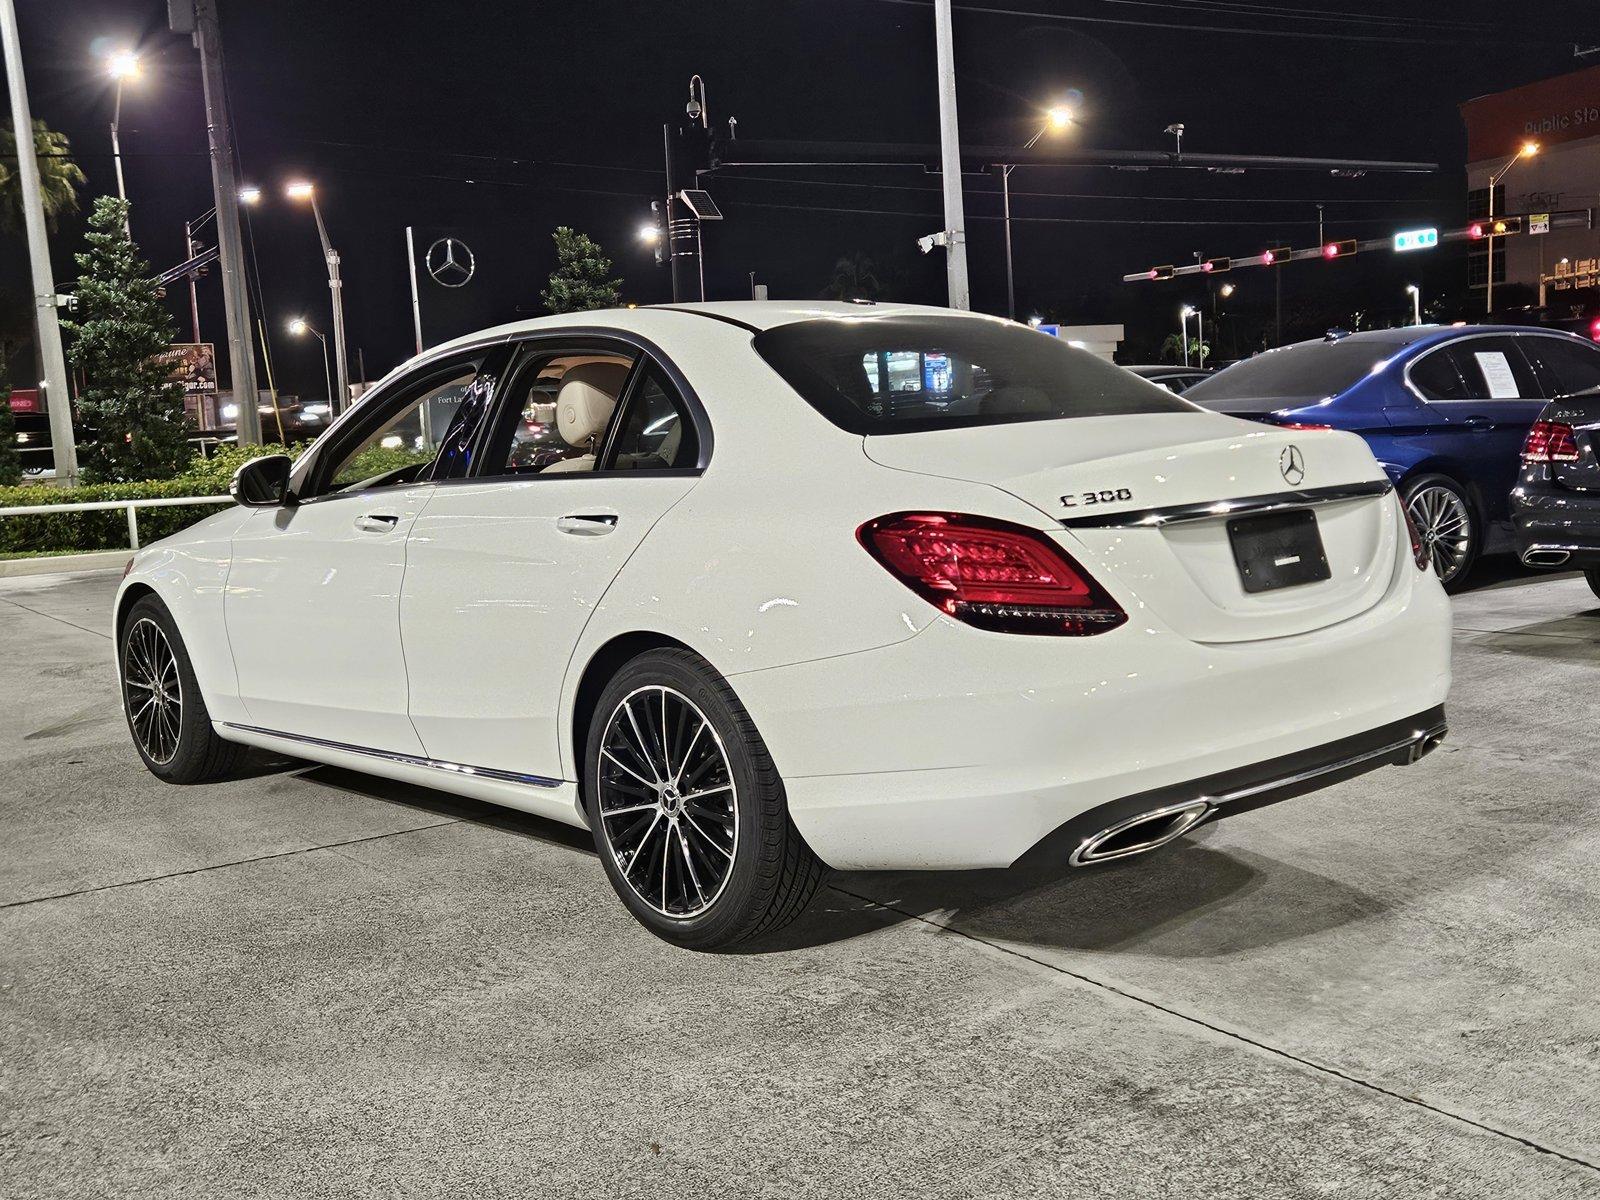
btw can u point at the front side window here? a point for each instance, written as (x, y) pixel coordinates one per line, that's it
(425, 432)
(902, 374)
(657, 433)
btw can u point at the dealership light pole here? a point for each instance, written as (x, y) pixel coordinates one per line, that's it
(301, 190)
(1056, 119)
(57, 397)
(955, 251)
(1526, 150)
(1415, 293)
(123, 66)
(1184, 314)
(300, 327)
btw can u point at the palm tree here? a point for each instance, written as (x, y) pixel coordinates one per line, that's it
(59, 177)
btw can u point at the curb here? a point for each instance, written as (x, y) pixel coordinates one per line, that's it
(62, 564)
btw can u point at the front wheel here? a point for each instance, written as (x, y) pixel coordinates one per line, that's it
(688, 813)
(160, 697)
(1443, 516)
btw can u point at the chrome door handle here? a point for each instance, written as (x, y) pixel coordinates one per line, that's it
(376, 522)
(1479, 424)
(587, 524)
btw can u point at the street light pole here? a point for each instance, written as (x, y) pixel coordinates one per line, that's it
(1416, 303)
(1529, 149)
(955, 252)
(123, 65)
(301, 326)
(57, 398)
(1058, 117)
(305, 191)
(1184, 314)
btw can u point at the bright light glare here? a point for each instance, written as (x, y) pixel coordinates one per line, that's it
(1186, 312)
(1226, 290)
(299, 190)
(1530, 148)
(249, 195)
(393, 442)
(123, 64)
(298, 327)
(1059, 116)
(649, 233)
(1411, 289)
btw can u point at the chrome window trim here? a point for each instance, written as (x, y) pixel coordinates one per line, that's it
(410, 760)
(1155, 518)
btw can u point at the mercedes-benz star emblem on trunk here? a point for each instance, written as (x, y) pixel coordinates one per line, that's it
(1292, 465)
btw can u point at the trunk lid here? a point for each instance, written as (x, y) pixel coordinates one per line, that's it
(1085, 473)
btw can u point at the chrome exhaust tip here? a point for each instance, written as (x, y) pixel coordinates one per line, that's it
(1545, 558)
(1427, 744)
(1141, 834)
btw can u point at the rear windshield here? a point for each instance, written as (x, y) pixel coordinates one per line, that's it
(1292, 376)
(905, 374)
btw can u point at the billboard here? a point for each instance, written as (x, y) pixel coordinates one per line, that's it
(194, 365)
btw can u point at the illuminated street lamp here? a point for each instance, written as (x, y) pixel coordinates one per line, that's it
(122, 66)
(249, 196)
(1057, 119)
(650, 234)
(1526, 150)
(1415, 293)
(1184, 314)
(299, 326)
(302, 190)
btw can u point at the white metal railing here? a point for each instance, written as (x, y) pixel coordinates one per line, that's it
(132, 506)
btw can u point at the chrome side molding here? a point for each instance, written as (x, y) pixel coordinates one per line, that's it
(410, 760)
(1154, 518)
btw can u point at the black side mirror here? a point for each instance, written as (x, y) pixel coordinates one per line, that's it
(262, 482)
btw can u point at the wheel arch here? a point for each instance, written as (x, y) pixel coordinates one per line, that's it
(131, 595)
(609, 658)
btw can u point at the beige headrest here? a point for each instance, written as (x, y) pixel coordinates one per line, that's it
(588, 393)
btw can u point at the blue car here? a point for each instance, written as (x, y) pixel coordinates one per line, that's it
(1444, 409)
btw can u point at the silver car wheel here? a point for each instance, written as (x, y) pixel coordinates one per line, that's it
(667, 801)
(1445, 526)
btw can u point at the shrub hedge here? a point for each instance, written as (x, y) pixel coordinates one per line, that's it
(108, 529)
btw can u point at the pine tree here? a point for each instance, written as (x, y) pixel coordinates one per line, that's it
(580, 282)
(10, 459)
(139, 430)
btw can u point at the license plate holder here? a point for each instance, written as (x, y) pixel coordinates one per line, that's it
(1278, 550)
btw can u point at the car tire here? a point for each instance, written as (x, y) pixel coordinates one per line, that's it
(1439, 505)
(692, 826)
(161, 701)
(1593, 576)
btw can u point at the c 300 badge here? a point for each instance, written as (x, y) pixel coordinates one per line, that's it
(1103, 496)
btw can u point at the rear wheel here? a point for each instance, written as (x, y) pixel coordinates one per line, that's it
(689, 815)
(166, 715)
(1444, 519)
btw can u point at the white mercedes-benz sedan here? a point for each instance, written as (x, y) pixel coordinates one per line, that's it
(754, 589)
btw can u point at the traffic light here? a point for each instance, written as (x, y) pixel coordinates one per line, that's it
(1161, 272)
(1342, 249)
(1506, 225)
(1475, 230)
(1277, 255)
(1215, 266)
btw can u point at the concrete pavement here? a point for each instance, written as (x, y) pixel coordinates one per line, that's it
(309, 983)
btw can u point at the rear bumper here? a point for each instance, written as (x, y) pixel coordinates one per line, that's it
(1556, 528)
(960, 749)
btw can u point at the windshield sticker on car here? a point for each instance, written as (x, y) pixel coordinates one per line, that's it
(1497, 374)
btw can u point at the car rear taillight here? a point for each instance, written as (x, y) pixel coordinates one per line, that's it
(1549, 441)
(1419, 552)
(991, 574)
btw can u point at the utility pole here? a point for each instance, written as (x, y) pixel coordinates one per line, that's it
(955, 252)
(48, 322)
(225, 184)
(416, 300)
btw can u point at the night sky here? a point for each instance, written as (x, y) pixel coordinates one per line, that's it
(497, 122)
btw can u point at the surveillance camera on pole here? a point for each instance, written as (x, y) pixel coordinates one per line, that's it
(927, 244)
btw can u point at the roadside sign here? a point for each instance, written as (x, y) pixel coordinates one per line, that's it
(1416, 239)
(1538, 222)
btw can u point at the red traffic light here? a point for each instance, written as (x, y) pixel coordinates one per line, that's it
(1475, 230)
(1278, 254)
(1339, 249)
(1161, 272)
(1594, 330)
(1215, 266)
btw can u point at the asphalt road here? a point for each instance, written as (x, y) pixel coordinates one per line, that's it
(309, 983)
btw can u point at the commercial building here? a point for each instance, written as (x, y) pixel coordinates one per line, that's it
(1555, 189)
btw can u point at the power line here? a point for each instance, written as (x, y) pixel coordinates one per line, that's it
(927, 216)
(1325, 16)
(1242, 31)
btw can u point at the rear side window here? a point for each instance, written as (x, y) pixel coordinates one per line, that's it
(904, 374)
(1293, 376)
(656, 433)
(1566, 367)
(1494, 369)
